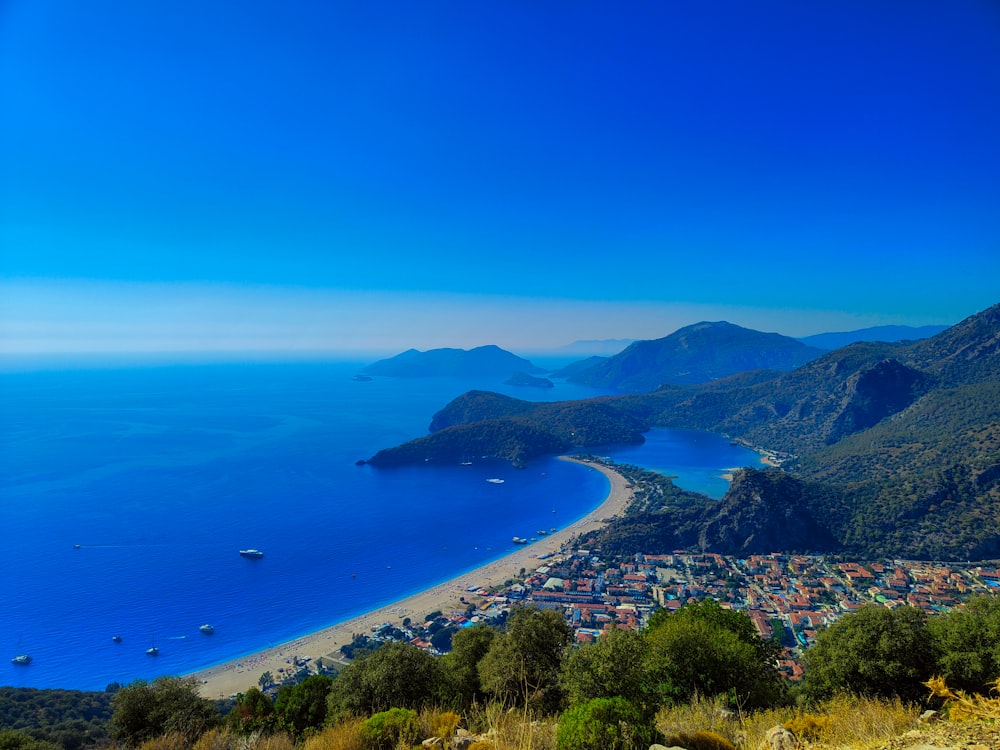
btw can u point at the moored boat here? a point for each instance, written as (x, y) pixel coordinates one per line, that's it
(22, 659)
(253, 553)
(207, 629)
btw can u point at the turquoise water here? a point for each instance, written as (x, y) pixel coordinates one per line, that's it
(161, 474)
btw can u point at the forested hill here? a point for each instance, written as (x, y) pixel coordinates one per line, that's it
(899, 444)
(483, 361)
(695, 354)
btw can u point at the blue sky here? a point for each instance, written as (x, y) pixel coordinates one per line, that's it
(373, 176)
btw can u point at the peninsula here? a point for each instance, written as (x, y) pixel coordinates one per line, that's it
(238, 675)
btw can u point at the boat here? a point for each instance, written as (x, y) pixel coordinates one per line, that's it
(254, 553)
(495, 481)
(22, 659)
(116, 638)
(541, 532)
(152, 651)
(207, 629)
(519, 540)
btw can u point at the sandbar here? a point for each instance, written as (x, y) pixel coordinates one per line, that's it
(238, 675)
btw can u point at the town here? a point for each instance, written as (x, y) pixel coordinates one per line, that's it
(788, 597)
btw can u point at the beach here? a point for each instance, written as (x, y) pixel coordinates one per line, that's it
(454, 595)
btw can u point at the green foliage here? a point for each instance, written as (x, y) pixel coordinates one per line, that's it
(395, 675)
(522, 665)
(303, 706)
(460, 667)
(11, 740)
(874, 652)
(967, 643)
(389, 729)
(144, 711)
(253, 712)
(614, 665)
(604, 724)
(703, 649)
(72, 719)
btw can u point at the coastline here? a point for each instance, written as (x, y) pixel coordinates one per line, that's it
(239, 674)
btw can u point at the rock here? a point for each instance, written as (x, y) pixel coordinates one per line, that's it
(779, 738)
(431, 742)
(929, 716)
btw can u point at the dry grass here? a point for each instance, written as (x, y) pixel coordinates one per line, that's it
(345, 735)
(961, 705)
(512, 729)
(841, 722)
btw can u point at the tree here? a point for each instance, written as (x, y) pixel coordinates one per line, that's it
(303, 706)
(145, 710)
(703, 649)
(460, 666)
(873, 652)
(397, 675)
(266, 680)
(615, 665)
(253, 712)
(967, 644)
(522, 665)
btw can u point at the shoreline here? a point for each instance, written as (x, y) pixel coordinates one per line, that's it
(237, 675)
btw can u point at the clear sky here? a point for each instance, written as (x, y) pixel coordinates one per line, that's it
(196, 174)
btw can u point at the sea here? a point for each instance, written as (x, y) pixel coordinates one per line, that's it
(127, 492)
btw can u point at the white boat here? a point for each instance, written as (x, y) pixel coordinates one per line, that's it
(254, 553)
(207, 629)
(152, 651)
(495, 481)
(22, 659)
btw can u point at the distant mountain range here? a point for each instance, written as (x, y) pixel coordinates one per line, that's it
(481, 362)
(889, 449)
(878, 333)
(695, 354)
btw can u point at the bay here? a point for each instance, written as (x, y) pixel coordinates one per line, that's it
(126, 493)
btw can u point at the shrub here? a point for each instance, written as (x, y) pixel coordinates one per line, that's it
(434, 723)
(604, 724)
(808, 726)
(171, 741)
(216, 739)
(279, 741)
(481, 745)
(347, 735)
(700, 740)
(387, 729)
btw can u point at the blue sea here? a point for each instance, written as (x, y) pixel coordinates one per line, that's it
(126, 494)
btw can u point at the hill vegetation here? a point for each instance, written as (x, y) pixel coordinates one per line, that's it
(695, 354)
(481, 362)
(889, 449)
(699, 677)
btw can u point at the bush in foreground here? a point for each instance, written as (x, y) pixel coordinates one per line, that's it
(604, 724)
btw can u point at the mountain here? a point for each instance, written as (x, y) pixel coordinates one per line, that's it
(892, 449)
(592, 348)
(878, 333)
(574, 368)
(696, 354)
(483, 361)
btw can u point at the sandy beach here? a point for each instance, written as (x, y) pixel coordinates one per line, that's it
(240, 674)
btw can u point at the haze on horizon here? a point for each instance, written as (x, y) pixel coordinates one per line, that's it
(217, 177)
